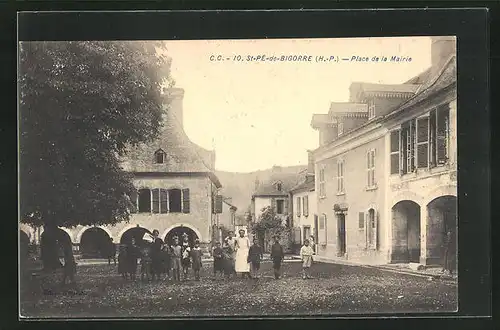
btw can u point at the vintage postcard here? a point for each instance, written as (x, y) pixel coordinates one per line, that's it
(230, 178)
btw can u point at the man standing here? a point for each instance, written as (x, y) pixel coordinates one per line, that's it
(277, 255)
(156, 255)
(448, 252)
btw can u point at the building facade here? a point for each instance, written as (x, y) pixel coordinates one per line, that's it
(304, 207)
(386, 168)
(176, 189)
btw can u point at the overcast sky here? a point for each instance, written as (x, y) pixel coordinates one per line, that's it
(258, 114)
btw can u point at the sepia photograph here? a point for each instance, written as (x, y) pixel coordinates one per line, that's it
(237, 177)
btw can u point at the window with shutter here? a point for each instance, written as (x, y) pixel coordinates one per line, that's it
(156, 200)
(280, 203)
(305, 203)
(442, 134)
(370, 157)
(361, 220)
(285, 211)
(144, 200)
(163, 201)
(422, 142)
(322, 191)
(186, 207)
(273, 205)
(174, 201)
(340, 176)
(395, 138)
(299, 212)
(218, 204)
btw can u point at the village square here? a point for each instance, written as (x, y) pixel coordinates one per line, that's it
(368, 224)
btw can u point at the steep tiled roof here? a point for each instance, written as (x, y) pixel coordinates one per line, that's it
(307, 184)
(394, 88)
(269, 188)
(444, 78)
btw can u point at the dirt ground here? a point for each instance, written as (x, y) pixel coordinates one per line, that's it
(334, 289)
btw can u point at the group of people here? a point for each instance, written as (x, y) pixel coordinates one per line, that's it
(157, 259)
(234, 256)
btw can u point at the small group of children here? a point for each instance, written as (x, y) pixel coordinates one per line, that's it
(183, 256)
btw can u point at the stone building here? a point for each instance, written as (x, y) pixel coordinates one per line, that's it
(386, 167)
(176, 188)
(303, 207)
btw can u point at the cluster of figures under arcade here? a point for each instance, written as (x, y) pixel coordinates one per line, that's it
(236, 255)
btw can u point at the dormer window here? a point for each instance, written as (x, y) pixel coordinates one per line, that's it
(371, 109)
(159, 156)
(279, 186)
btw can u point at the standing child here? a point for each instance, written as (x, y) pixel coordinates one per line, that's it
(166, 260)
(176, 259)
(217, 253)
(306, 254)
(254, 258)
(146, 263)
(186, 257)
(277, 255)
(196, 258)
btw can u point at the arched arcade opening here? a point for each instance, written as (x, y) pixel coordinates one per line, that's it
(442, 216)
(179, 232)
(137, 233)
(95, 243)
(405, 232)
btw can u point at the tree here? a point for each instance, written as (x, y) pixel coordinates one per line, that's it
(268, 225)
(82, 104)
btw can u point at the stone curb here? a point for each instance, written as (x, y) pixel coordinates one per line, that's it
(388, 269)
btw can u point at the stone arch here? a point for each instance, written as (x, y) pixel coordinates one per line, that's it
(407, 196)
(125, 229)
(25, 231)
(179, 224)
(448, 190)
(406, 231)
(69, 232)
(80, 233)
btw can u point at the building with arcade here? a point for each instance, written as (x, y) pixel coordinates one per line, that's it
(176, 190)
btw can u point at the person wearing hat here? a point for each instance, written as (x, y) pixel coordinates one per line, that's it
(242, 248)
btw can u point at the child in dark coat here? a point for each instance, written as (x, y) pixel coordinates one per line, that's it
(218, 255)
(227, 252)
(122, 262)
(196, 254)
(277, 255)
(254, 257)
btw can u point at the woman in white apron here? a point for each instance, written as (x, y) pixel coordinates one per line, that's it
(242, 247)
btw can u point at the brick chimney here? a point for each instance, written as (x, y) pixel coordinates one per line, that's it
(310, 163)
(441, 50)
(175, 97)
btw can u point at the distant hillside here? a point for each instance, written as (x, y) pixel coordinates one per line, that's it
(240, 186)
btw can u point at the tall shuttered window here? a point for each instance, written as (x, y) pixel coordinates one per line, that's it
(305, 205)
(442, 134)
(175, 200)
(370, 160)
(395, 151)
(321, 183)
(299, 212)
(144, 200)
(408, 137)
(340, 176)
(423, 142)
(186, 206)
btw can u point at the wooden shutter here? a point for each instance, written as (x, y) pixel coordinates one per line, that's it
(442, 128)
(395, 149)
(156, 200)
(423, 142)
(375, 232)
(306, 205)
(163, 201)
(273, 205)
(298, 206)
(218, 204)
(361, 220)
(285, 206)
(186, 207)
